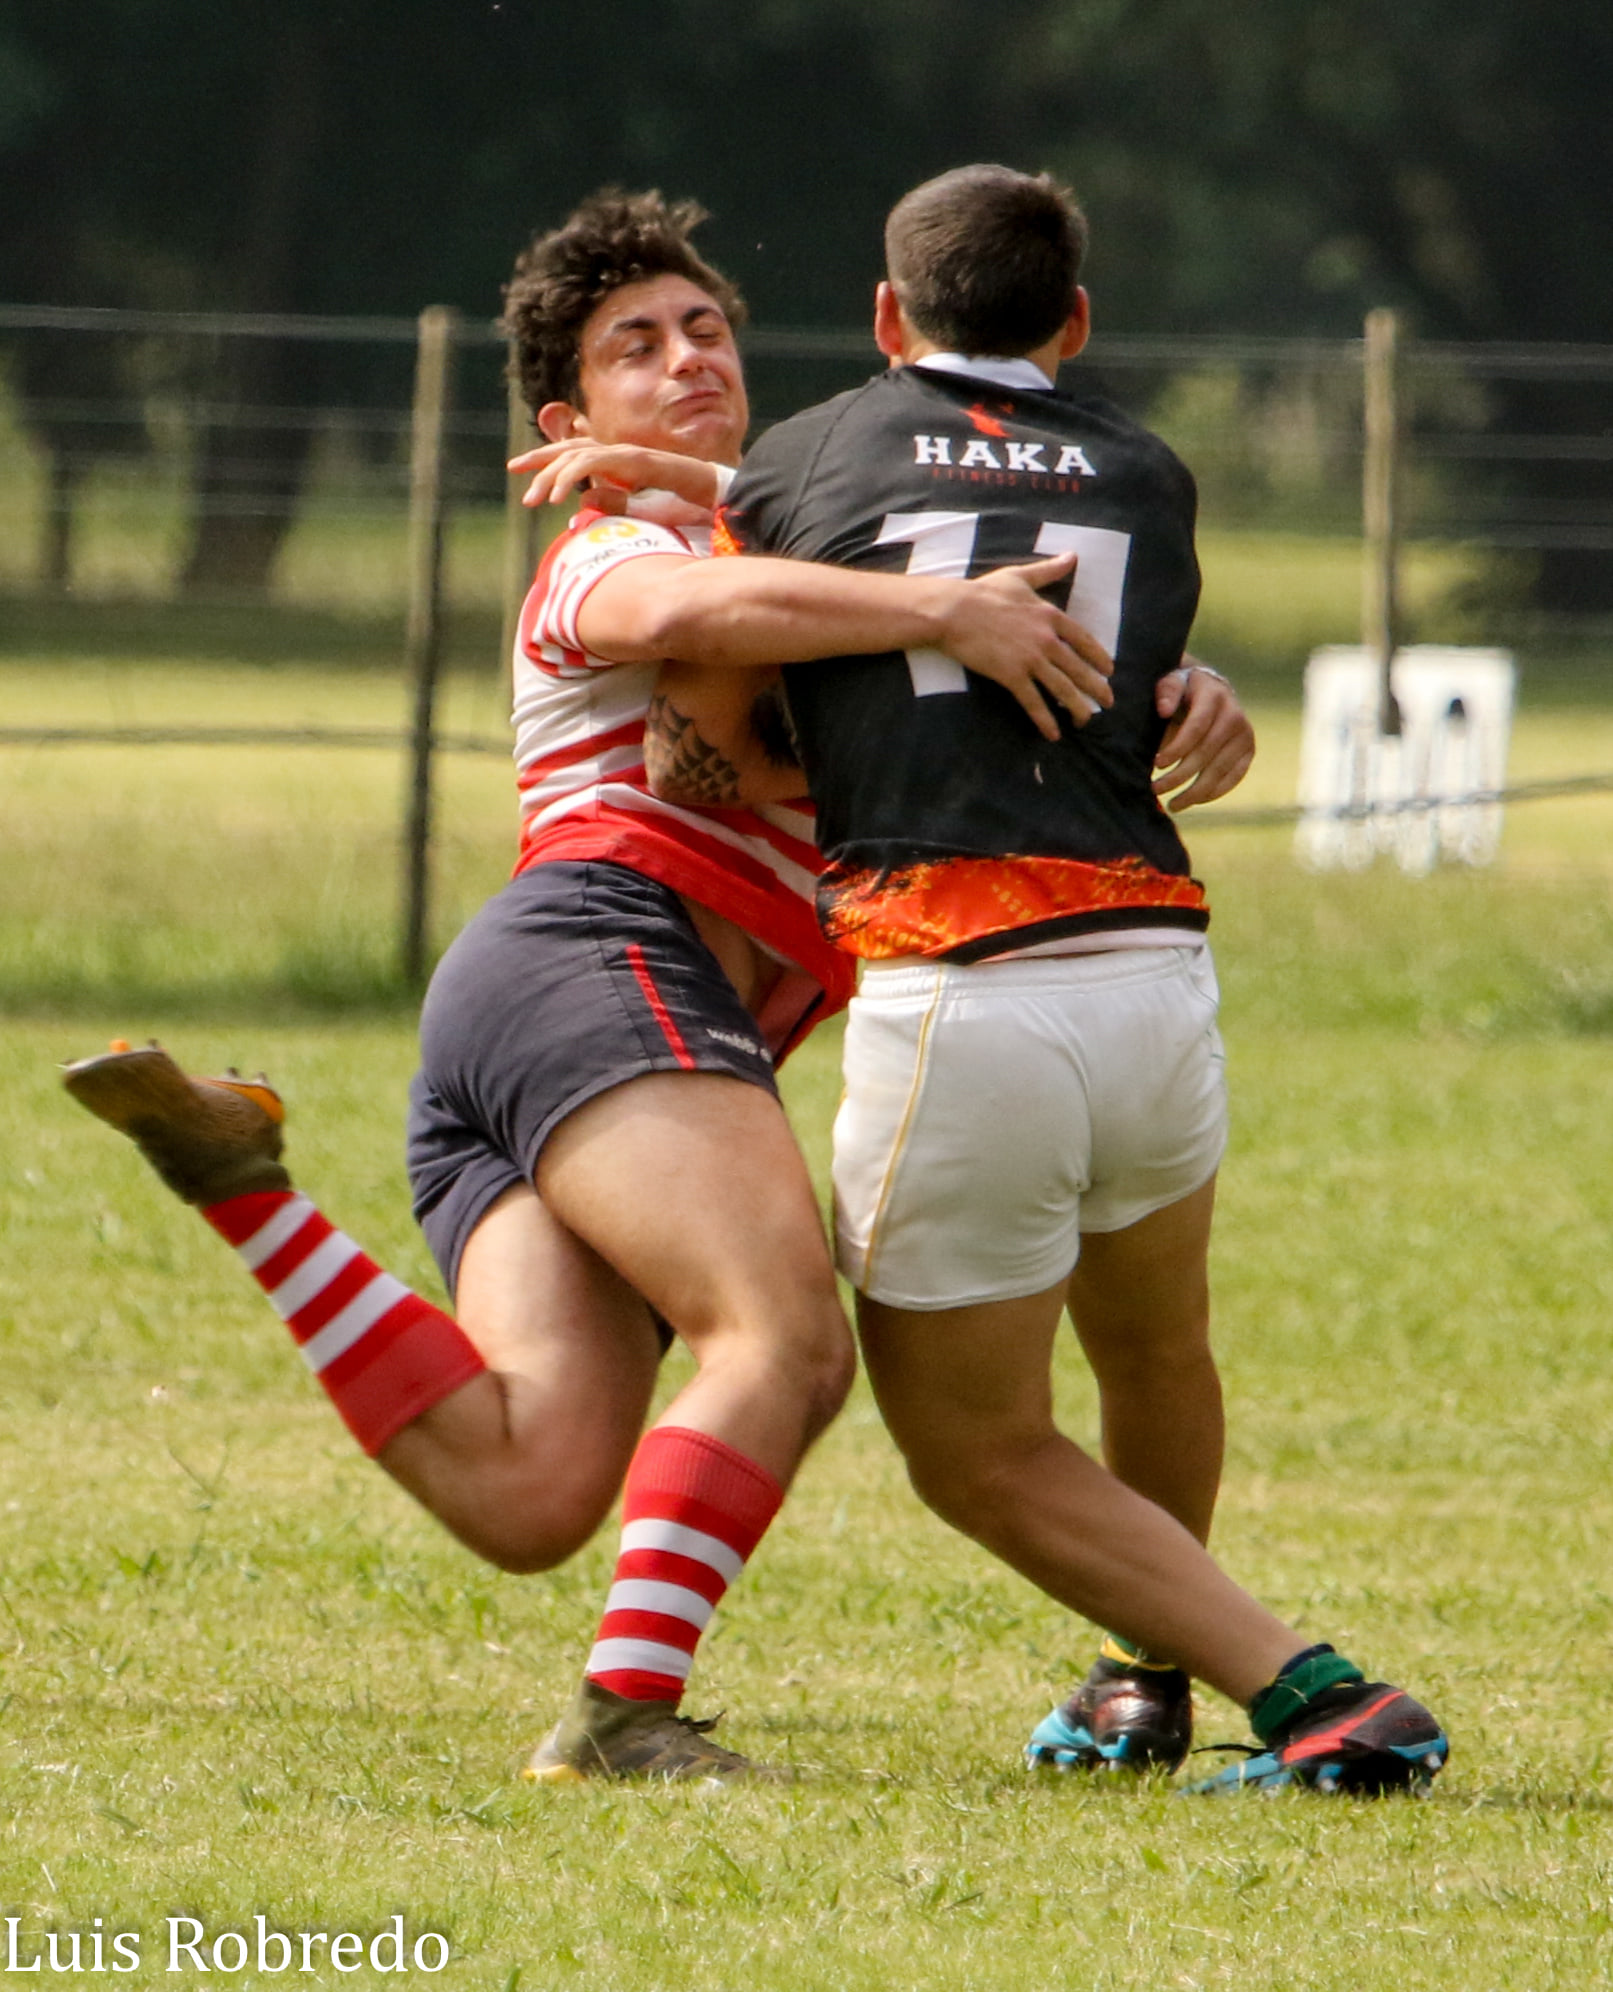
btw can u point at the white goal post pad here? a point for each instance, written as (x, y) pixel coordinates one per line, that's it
(1429, 793)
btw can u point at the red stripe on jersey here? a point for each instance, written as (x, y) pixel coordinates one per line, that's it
(628, 735)
(658, 1009)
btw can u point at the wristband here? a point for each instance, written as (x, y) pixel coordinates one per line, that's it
(725, 480)
(1220, 677)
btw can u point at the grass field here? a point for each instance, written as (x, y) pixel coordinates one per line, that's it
(244, 1676)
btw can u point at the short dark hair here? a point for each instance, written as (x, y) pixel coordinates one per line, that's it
(613, 238)
(986, 260)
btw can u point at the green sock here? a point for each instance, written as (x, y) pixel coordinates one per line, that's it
(1299, 1681)
(1125, 1654)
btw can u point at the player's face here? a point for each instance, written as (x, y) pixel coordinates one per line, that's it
(660, 368)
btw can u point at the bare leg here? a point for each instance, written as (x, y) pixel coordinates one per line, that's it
(1140, 1301)
(524, 1462)
(966, 1393)
(692, 1187)
(687, 1188)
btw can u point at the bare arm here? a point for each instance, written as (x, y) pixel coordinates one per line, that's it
(1209, 744)
(740, 614)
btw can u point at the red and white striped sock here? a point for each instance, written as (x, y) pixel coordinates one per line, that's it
(384, 1354)
(693, 1510)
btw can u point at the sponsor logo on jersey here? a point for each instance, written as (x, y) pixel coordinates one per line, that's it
(612, 529)
(975, 457)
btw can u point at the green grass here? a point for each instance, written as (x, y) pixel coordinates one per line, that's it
(246, 1676)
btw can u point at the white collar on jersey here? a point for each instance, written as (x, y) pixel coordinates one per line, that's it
(1023, 374)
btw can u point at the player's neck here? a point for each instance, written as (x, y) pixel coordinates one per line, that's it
(1045, 358)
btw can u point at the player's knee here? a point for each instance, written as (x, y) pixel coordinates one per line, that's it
(534, 1525)
(967, 1483)
(832, 1370)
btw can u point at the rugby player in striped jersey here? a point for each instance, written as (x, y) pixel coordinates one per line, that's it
(596, 1143)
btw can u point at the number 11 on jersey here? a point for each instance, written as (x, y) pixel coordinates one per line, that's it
(944, 543)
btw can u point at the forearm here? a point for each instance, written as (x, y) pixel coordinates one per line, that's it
(741, 614)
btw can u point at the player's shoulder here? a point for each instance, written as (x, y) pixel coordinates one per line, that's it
(802, 434)
(596, 539)
(1133, 439)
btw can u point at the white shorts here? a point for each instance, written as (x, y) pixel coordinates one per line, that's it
(994, 1112)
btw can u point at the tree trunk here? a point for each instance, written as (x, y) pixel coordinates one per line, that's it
(250, 462)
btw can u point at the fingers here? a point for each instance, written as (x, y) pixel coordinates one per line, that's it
(1170, 692)
(1044, 572)
(1036, 706)
(1212, 770)
(1085, 645)
(1218, 777)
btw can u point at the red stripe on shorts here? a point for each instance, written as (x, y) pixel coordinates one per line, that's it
(658, 1009)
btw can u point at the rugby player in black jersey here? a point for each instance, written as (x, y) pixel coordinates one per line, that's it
(1034, 1108)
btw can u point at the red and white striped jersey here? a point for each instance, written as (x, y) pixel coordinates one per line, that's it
(579, 752)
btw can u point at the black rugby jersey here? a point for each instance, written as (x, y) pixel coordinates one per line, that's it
(950, 826)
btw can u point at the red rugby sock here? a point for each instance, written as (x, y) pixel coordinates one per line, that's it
(384, 1354)
(693, 1511)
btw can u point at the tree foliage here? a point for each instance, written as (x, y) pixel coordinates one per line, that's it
(1278, 166)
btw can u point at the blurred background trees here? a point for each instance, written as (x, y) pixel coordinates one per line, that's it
(1277, 167)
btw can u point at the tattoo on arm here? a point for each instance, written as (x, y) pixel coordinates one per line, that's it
(682, 761)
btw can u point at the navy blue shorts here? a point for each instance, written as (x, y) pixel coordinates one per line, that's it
(575, 978)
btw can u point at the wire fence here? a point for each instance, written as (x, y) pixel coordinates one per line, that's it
(254, 485)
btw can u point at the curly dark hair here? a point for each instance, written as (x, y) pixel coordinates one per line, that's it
(613, 238)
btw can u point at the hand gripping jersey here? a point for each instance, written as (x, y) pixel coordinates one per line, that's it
(952, 828)
(579, 753)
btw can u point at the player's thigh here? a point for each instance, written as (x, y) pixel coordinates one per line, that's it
(961, 1388)
(962, 1141)
(1143, 1293)
(691, 1186)
(543, 1307)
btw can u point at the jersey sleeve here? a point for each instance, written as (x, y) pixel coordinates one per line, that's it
(580, 560)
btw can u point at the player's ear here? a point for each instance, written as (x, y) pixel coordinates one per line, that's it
(888, 320)
(1077, 327)
(558, 420)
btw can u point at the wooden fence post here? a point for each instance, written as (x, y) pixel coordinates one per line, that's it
(520, 525)
(433, 385)
(1380, 520)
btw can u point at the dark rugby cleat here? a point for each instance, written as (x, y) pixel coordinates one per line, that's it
(208, 1139)
(1360, 1737)
(1121, 1718)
